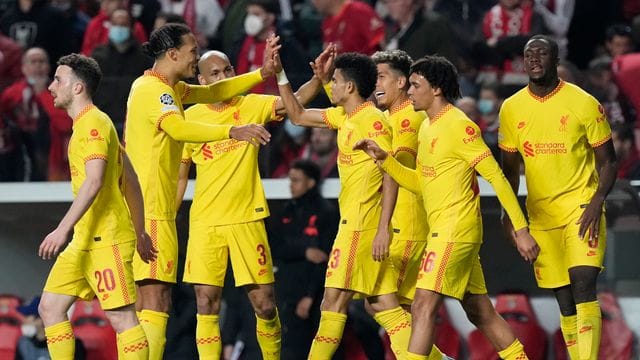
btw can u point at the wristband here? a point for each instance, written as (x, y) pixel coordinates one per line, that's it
(282, 78)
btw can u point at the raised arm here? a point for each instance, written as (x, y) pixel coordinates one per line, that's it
(133, 197)
(52, 243)
(307, 92)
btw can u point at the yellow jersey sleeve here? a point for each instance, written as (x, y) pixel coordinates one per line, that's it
(404, 176)
(262, 107)
(595, 122)
(506, 137)
(220, 90)
(334, 117)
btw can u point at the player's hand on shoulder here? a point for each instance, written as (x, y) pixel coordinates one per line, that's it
(145, 248)
(371, 148)
(527, 245)
(52, 244)
(252, 133)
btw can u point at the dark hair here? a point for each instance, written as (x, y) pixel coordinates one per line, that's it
(270, 6)
(440, 73)
(85, 68)
(166, 37)
(553, 45)
(397, 60)
(360, 69)
(618, 30)
(624, 131)
(309, 168)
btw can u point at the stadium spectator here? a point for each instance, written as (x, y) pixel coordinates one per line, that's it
(323, 151)
(626, 71)
(32, 23)
(469, 107)
(42, 132)
(202, 16)
(489, 103)
(417, 32)
(557, 16)
(77, 20)
(626, 152)
(167, 18)
(289, 143)
(618, 41)
(98, 29)
(353, 26)
(145, 12)
(121, 61)
(10, 61)
(600, 83)
(301, 236)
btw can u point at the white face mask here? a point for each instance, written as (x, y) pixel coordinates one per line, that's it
(29, 330)
(293, 130)
(253, 24)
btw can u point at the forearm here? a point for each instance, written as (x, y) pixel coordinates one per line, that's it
(133, 196)
(224, 89)
(183, 179)
(607, 173)
(175, 126)
(308, 91)
(389, 197)
(490, 170)
(405, 177)
(86, 195)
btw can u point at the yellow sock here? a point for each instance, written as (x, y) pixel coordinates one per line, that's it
(515, 351)
(569, 328)
(61, 341)
(208, 337)
(269, 337)
(154, 324)
(589, 321)
(412, 356)
(398, 326)
(328, 337)
(133, 344)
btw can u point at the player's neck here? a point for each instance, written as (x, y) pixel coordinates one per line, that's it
(398, 101)
(543, 88)
(77, 106)
(352, 103)
(164, 69)
(436, 107)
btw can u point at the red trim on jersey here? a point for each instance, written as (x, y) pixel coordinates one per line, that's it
(443, 267)
(353, 251)
(153, 234)
(441, 113)
(549, 95)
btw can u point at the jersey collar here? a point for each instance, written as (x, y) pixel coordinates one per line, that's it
(83, 112)
(360, 107)
(549, 95)
(400, 107)
(441, 113)
(162, 78)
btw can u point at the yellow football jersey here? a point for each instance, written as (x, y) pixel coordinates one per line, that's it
(228, 186)
(153, 153)
(409, 220)
(450, 152)
(107, 221)
(360, 178)
(555, 136)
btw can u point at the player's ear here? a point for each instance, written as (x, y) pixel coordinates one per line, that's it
(402, 82)
(350, 87)
(172, 54)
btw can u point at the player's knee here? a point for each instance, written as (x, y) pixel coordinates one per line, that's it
(122, 320)
(207, 304)
(265, 309)
(424, 307)
(49, 313)
(478, 314)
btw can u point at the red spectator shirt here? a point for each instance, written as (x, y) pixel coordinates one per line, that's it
(97, 33)
(59, 126)
(250, 58)
(626, 72)
(356, 27)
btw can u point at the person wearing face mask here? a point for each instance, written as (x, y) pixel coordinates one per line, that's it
(121, 61)
(32, 345)
(262, 20)
(98, 29)
(489, 103)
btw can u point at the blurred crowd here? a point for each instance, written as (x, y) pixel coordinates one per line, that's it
(484, 38)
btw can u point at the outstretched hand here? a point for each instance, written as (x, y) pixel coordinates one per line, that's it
(252, 133)
(371, 148)
(268, 63)
(323, 66)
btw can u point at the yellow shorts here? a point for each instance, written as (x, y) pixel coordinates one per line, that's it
(105, 272)
(210, 247)
(351, 265)
(165, 240)
(451, 269)
(406, 256)
(561, 249)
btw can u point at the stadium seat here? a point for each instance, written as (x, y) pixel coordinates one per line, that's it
(447, 338)
(10, 323)
(617, 339)
(91, 325)
(517, 311)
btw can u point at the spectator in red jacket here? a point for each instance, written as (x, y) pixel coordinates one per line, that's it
(98, 29)
(10, 61)
(351, 25)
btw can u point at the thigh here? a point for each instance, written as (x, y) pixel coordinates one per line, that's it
(550, 268)
(207, 256)
(249, 252)
(406, 258)
(165, 239)
(67, 275)
(109, 272)
(585, 252)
